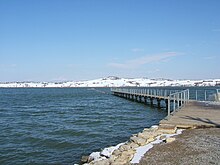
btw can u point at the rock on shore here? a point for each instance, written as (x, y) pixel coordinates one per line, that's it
(134, 149)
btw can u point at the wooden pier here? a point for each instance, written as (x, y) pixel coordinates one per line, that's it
(173, 99)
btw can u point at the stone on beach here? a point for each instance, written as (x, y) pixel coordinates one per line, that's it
(119, 162)
(112, 158)
(163, 137)
(127, 155)
(102, 162)
(138, 140)
(84, 159)
(133, 145)
(148, 133)
(167, 129)
(124, 147)
(169, 140)
(151, 139)
(123, 158)
(154, 127)
(116, 152)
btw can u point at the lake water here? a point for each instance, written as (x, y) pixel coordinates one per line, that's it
(59, 125)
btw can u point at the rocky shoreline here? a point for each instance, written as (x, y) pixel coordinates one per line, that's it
(133, 150)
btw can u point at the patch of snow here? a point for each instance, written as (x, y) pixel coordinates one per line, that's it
(96, 156)
(154, 126)
(140, 151)
(105, 153)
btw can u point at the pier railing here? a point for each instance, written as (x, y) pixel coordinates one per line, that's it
(179, 100)
(204, 94)
(149, 92)
(174, 99)
(218, 94)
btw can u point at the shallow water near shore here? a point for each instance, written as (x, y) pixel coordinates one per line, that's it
(59, 125)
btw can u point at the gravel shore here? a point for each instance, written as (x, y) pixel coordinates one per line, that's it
(193, 146)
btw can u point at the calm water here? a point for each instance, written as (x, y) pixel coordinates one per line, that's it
(59, 125)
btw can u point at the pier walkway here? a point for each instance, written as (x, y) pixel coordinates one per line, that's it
(196, 114)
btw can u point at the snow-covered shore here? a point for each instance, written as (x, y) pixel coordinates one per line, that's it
(113, 82)
(133, 150)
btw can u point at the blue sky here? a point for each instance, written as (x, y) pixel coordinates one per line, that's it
(58, 40)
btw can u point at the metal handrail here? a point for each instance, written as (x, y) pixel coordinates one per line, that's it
(145, 92)
(205, 95)
(181, 98)
(218, 94)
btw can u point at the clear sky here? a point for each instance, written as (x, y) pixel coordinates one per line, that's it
(58, 40)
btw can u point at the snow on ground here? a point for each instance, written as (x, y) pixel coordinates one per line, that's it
(105, 153)
(140, 151)
(114, 82)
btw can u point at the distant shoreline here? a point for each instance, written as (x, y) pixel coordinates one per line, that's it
(115, 82)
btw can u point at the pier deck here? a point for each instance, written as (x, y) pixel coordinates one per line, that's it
(195, 114)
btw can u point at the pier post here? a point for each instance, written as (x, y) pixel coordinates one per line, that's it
(196, 95)
(178, 105)
(168, 109)
(184, 97)
(174, 103)
(158, 102)
(151, 101)
(188, 95)
(166, 102)
(145, 100)
(180, 100)
(140, 98)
